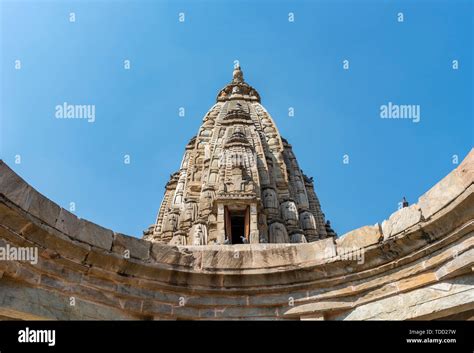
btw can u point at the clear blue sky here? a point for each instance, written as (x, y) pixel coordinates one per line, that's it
(177, 64)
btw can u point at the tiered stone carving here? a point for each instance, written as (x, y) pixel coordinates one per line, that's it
(289, 212)
(239, 181)
(278, 233)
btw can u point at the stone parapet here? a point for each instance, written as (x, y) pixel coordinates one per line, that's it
(422, 254)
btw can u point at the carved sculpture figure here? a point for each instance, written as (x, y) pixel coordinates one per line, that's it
(190, 212)
(200, 235)
(207, 152)
(171, 221)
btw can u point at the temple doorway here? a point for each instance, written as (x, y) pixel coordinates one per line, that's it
(237, 226)
(237, 221)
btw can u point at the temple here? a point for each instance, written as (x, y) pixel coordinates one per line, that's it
(239, 181)
(240, 235)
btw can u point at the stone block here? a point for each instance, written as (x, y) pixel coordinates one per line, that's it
(401, 220)
(137, 248)
(14, 188)
(57, 242)
(106, 261)
(421, 280)
(448, 188)
(102, 284)
(277, 299)
(425, 303)
(154, 308)
(319, 308)
(185, 312)
(460, 263)
(360, 238)
(43, 208)
(68, 223)
(12, 219)
(246, 312)
(466, 169)
(174, 255)
(216, 301)
(95, 235)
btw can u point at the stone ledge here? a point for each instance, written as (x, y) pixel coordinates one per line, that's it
(321, 307)
(24, 302)
(446, 190)
(313, 270)
(68, 223)
(415, 259)
(251, 258)
(95, 235)
(430, 302)
(129, 304)
(360, 238)
(400, 220)
(17, 191)
(137, 248)
(14, 188)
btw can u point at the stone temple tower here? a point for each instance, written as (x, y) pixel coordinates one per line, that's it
(239, 181)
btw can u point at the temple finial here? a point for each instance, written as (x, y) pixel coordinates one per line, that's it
(238, 75)
(238, 89)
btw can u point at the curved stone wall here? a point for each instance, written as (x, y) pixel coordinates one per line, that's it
(417, 264)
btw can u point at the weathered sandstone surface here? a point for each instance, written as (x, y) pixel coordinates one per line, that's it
(417, 264)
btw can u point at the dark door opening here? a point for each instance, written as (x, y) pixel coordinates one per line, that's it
(237, 225)
(237, 222)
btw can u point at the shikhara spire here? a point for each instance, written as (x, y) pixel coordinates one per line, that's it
(239, 181)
